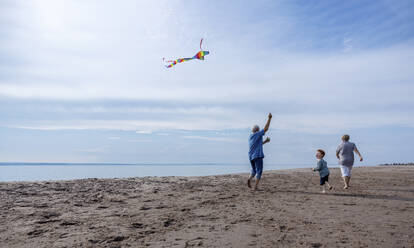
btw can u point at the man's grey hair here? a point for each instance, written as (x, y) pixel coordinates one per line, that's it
(255, 129)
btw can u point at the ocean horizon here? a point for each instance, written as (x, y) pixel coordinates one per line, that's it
(40, 171)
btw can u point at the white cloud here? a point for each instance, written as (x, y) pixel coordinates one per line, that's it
(114, 138)
(75, 52)
(299, 78)
(317, 122)
(101, 109)
(93, 149)
(143, 126)
(338, 122)
(163, 134)
(347, 45)
(97, 65)
(144, 132)
(209, 138)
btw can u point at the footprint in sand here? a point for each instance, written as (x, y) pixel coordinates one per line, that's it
(37, 232)
(169, 222)
(69, 223)
(138, 225)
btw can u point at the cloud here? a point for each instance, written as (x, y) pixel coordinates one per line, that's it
(114, 138)
(92, 68)
(347, 45)
(79, 69)
(359, 89)
(334, 123)
(209, 138)
(101, 149)
(313, 122)
(143, 126)
(144, 132)
(163, 134)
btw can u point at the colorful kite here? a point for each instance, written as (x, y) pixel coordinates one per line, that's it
(200, 55)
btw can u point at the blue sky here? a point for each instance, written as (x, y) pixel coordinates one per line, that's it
(83, 81)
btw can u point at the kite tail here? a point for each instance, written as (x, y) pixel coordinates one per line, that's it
(174, 62)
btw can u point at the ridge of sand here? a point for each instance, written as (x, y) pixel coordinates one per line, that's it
(213, 211)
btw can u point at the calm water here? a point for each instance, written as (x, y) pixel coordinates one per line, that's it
(63, 171)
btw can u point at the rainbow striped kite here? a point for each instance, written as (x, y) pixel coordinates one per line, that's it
(200, 55)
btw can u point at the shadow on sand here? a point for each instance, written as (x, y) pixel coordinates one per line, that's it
(367, 196)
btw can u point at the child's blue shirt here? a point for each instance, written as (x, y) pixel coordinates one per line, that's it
(322, 167)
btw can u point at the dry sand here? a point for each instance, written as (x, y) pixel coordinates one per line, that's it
(213, 211)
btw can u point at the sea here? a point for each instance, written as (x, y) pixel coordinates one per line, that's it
(66, 171)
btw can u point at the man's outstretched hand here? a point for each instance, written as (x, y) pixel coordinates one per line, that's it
(266, 127)
(267, 140)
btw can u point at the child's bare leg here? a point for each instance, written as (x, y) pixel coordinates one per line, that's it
(329, 186)
(323, 188)
(257, 183)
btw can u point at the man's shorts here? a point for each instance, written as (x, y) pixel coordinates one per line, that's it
(324, 179)
(346, 170)
(257, 167)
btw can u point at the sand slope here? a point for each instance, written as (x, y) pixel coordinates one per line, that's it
(215, 211)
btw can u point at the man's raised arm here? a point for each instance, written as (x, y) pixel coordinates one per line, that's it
(266, 127)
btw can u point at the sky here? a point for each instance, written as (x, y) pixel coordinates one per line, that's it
(84, 81)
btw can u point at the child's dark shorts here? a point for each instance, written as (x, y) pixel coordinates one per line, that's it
(324, 179)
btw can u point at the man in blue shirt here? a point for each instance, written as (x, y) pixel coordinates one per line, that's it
(256, 151)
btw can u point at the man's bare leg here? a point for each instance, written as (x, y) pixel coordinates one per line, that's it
(257, 183)
(249, 181)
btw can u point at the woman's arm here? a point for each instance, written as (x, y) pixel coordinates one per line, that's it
(359, 154)
(338, 150)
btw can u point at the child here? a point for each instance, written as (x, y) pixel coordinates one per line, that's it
(322, 167)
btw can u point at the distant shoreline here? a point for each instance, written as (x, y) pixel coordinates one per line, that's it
(133, 164)
(60, 173)
(397, 164)
(36, 172)
(53, 172)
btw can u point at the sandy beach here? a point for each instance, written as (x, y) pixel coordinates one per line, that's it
(213, 211)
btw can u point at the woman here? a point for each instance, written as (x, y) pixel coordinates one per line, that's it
(345, 154)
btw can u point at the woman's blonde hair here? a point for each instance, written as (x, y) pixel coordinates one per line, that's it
(345, 137)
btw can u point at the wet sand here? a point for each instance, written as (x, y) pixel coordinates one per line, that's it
(213, 211)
